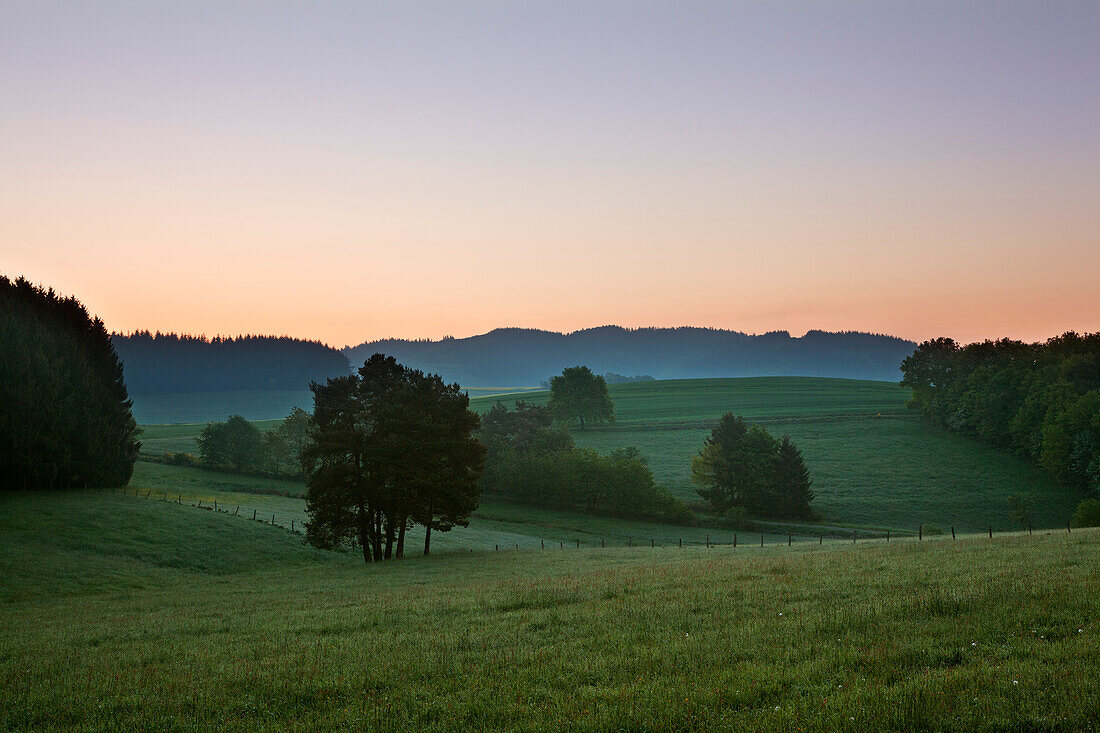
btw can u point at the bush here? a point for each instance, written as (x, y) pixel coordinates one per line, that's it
(1087, 514)
(933, 530)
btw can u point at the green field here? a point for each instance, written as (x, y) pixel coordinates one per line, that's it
(873, 463)
(124, 613)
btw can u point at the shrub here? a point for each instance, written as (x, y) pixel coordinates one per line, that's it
(1087, 514)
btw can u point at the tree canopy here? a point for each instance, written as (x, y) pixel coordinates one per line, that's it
(578, 394)
(743, 469)
(1040, 400)
(390, 446)
(65, 419)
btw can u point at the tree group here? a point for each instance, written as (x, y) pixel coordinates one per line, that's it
(390, 447)
(532, 462)
(744, 470)
(1040, 400)
(65, 419)
(237, 445)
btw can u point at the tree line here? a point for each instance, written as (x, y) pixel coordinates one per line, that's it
(167, 363)
(1040, 400)
(65, 419)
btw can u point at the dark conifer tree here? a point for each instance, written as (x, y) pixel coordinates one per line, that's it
(65, 419)
(792, 482)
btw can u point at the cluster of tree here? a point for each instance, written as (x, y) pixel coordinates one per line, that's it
(743, 470)
(515, 356)
(613, 378)
(578, 394)
(1041, 400)
(389, 447)
(65, 419)
(165, 363)
(532, 462)
(238, 445)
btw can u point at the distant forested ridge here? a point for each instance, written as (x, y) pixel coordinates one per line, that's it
(513, 357)
(1040, 400)
(171, 363)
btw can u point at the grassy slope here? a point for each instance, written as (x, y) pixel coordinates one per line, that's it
(873, 464)
(495, 524)
(977, 635)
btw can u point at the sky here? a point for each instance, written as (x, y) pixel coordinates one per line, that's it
(348, 171)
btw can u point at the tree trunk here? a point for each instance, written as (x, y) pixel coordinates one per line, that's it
(428, 529)
(401, 539)
(389, 541)
(582, 423)
(364, 534)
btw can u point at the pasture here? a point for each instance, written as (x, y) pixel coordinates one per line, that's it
(874, 465)
(122, 613)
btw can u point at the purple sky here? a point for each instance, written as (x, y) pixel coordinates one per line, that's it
(349, 171)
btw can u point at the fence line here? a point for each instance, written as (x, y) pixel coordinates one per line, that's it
(731, 540)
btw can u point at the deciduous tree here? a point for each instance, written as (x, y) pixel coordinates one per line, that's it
(580, 395)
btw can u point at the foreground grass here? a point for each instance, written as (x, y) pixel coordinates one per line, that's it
(978, 634)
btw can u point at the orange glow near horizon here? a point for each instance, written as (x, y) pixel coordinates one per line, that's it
(354, 173)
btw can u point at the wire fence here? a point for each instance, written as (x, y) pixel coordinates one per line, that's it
(294, 522)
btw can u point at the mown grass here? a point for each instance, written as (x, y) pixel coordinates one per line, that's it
(983, 635)
(494, 525)
(873, 464)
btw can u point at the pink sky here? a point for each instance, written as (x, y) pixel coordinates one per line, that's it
(341, 173)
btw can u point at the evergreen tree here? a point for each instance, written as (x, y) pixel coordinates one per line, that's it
(792, 482)
(65, 418)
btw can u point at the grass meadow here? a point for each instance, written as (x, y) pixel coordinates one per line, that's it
(122, 613)
(874, 465)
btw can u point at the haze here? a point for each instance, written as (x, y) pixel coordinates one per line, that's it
(349, 171)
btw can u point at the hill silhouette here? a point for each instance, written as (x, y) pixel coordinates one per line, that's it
(515, 357)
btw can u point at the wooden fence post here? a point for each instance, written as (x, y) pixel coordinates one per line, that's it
(578, 544)
(887, 535)
(562, 544)
(543, 544)
(761, 539)
(291, 525)
(735, 540)
(821, 539)
(681, 542)
(273, 519)
(788, 539)
(215, 505)
(253, 515)
(601, 543)
(200, 503)
(1067, 526)
(651, 542)
(708, 539)
(236, 510)
(853, 536)
(991, 531)
(952, 532)
(920, 532)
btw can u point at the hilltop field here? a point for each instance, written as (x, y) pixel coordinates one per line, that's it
(874, 464)
(126, 613)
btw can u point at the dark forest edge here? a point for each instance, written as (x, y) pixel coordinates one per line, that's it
(65, 418)
(169, 363)
(1039, 400)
